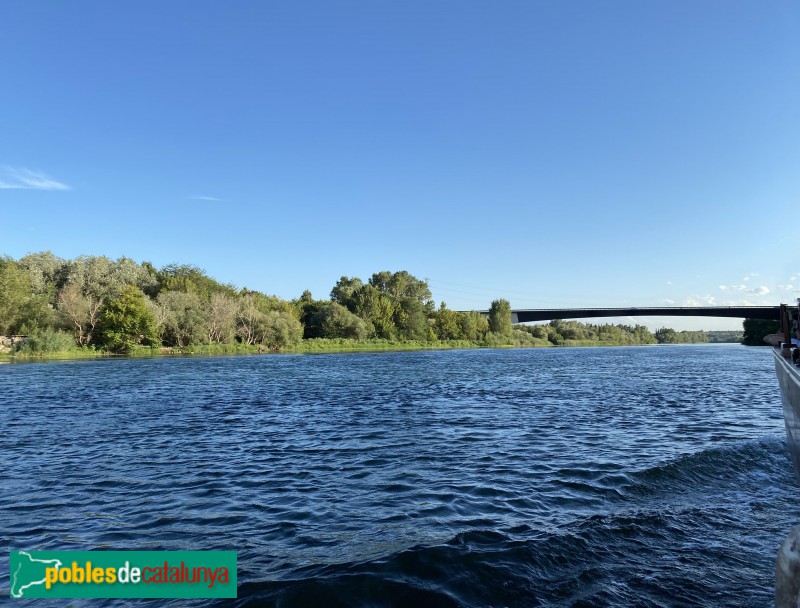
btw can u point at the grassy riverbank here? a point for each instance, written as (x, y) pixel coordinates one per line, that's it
(312, 346)
(91, 306)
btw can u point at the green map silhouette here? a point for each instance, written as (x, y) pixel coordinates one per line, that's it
(27, 571)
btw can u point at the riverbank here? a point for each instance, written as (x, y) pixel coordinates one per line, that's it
(312, 346)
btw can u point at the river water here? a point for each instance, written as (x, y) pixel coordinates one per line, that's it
(650, 476)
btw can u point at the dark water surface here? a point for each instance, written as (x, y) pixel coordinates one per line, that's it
(560, 477)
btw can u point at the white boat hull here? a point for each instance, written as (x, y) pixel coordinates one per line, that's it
(789, 379)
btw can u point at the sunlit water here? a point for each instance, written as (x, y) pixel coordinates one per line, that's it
(650, 476)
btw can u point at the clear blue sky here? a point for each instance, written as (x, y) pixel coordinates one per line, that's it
(618, 153)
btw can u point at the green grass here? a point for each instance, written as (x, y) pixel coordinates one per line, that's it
(323, 345)
(311, 346)
(197, 349)
(570, 343)
(73, 353)
(316, 345)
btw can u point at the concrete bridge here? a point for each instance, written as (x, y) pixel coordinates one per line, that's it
(771, 313)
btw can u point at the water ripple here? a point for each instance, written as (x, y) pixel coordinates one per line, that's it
(582, 477)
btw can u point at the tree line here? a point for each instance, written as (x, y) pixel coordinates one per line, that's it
(115, 305)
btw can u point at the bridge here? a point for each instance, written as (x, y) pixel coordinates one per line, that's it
(771, 313)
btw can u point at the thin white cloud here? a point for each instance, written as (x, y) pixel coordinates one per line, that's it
(700, 301)
(668, 301)
(25, 179)
(733, 287)
(213, 199)
(761, 290)
(745, 302)
(786, 287)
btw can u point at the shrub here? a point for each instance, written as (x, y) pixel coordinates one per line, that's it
(47, 340)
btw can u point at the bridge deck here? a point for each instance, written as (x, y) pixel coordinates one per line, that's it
(771, 313)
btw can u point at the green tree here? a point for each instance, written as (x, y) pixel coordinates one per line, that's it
(47, 272)
(500, 317)
(184, 318)
(21, 310)
(307, 310)
(249, 319)
(255, 324)
(474, 325)
(402, 285)
(80, 312)
(190, 279)
(446, 324)
(642, 335)
(572, 330)
(412, 302)
(126, 321)
(334, 321)
(266, 303)
(756, 329)
(100, 276)
(221, 321)
(344, 290)
(280, 330)
(376, 308)
(537, 331)
(411, 319)
(15, 289)
(36, 313)
(666, 335)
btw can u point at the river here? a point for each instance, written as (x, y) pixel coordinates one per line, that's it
(638, 476)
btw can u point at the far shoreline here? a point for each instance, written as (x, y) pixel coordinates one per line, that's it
(339, 347)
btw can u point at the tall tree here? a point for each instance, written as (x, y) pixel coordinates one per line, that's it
(184, 318)
(756, 329)
(127, 321)
(411, 319)
(446, 324)
(344, 290)
(15, 289)
(80, 311)
(473, 325)
(308, 309)
(500, 317)
(190, 279)
(334, 321)
(249, 319)
(100, 276)
(47, 272)
(402, 285)
(21, 310)
(221, 324)
(280, 330)
(377, 309)
(412, 302)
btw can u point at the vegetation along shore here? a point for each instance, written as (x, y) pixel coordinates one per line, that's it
(94, 306)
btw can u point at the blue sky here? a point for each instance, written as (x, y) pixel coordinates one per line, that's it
(619, 153)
